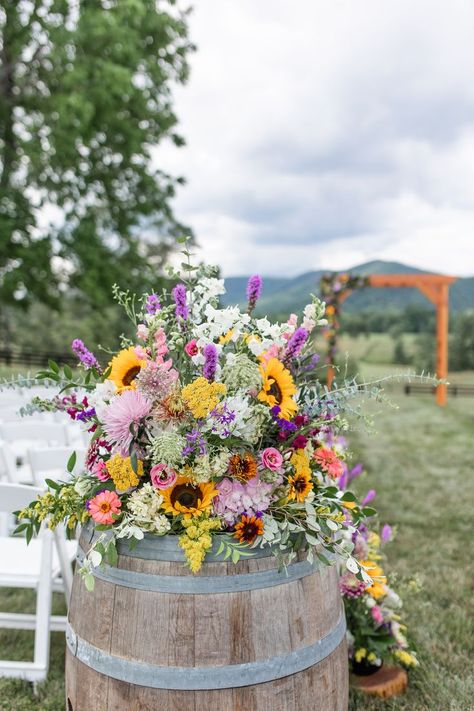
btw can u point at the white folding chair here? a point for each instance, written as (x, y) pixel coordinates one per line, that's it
(17, 437)
(51, 463)
(34, 566)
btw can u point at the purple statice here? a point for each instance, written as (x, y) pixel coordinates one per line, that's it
(295, 344)
(210, 363)
(179, 297)
(195, 443)
(152, 304)
(284, 425)
(85, 414)
(254, 291)
(87, 358)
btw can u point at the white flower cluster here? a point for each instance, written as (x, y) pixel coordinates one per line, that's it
(144, 505)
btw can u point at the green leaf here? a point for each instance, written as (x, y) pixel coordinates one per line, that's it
(53, 366)
(235, 556)
(53, 484)
(134, 462)
(89, 582)
(67, 372)
(348, 496)
(112, 555)
(71, 462)
(369, 511)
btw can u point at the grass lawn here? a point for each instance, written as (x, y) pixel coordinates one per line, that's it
(419, 460)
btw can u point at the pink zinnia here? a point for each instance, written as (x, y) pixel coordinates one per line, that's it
(103, 507)
(329, 462)
(191, 348)
(162, 476)
(377, 614)
(127, 409)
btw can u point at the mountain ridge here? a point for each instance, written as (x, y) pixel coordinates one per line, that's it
(284, 295)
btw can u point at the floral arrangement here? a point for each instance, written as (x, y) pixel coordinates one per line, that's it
(208, 422)
(375, 628)
(334, 288)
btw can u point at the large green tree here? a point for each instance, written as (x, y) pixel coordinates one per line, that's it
(85, 97)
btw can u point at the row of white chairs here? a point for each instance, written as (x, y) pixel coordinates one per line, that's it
(31, 451)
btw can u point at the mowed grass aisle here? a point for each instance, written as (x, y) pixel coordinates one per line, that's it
(420, 461)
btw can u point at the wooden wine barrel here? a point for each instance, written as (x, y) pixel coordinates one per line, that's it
(246, 637)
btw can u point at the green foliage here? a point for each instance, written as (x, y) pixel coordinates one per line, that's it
(461, 344)
(85, 96)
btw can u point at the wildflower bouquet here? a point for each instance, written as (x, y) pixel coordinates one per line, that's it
(210, 422)
(375, 629)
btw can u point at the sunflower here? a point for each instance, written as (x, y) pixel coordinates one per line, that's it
(278, 387)
(188, 498)
(248, 528)
(300, 486)
(242, 466)
(124, 369)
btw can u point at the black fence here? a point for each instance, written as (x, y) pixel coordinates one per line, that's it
(36, 359)
(453, 389)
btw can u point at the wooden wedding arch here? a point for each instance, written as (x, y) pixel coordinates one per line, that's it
(436, 288)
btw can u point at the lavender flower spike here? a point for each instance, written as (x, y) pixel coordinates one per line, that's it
(254, 290)
(179, 296)
(87, 358)
(210, 364)
(386, 533)
(295, 344)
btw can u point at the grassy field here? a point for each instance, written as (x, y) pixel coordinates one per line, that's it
(419, 460)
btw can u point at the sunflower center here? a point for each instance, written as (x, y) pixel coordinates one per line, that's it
(275, 390)
(131, 374)
(186, 495)
(300, 484)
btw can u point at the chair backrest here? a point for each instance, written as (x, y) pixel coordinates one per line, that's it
(51, 463)
(48, 432)
(16, 496)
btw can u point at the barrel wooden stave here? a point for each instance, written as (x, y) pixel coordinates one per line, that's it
(208, 630)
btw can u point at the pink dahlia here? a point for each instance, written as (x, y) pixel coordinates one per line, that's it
(129, 408)
(103, 507)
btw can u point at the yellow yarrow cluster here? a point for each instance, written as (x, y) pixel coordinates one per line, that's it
(405, 658)
(121, 472)
(300, 461)
(67, 506)
(201, 396)
(197, 540)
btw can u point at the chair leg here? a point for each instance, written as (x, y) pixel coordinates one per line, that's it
(43, 603)
(64, 562)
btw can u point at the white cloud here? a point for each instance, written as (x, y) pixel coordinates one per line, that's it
(321, 134)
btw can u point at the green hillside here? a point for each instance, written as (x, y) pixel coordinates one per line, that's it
(285, 295)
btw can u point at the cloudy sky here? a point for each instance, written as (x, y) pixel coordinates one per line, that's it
(325, 133)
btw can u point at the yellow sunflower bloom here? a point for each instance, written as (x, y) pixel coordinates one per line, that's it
(124, 369)
(188, 498)
(300, 486)
(278, 387)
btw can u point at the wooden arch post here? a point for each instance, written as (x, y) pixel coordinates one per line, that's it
(436, 288)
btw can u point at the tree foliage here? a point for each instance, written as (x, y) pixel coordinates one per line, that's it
(85, 97)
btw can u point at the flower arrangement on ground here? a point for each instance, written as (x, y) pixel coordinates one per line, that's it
(210, 421)
(376, 631)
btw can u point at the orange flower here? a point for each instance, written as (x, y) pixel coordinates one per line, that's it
(248, 528)
(329, 462)
(242, 466)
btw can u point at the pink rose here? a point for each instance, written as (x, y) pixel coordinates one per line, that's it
(191, 348)
(271, 459)
(162, 476)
